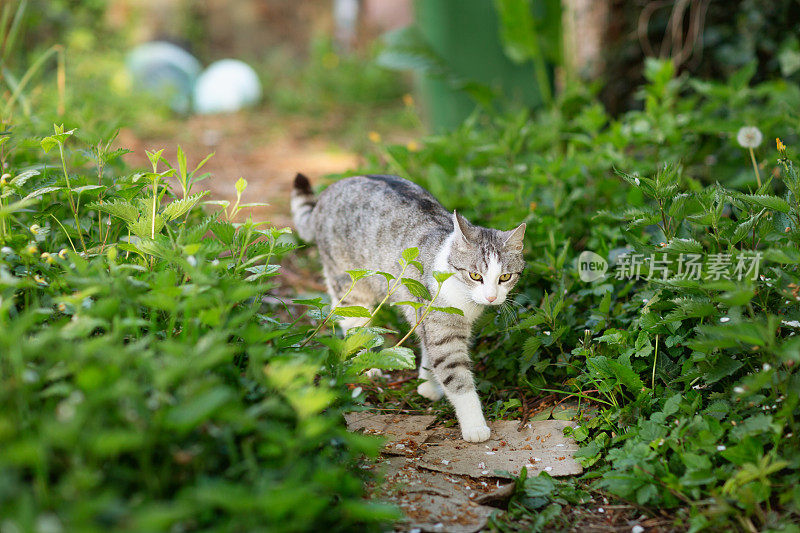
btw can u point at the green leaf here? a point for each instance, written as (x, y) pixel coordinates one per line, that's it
(60, 136)
(20, 179)
(154, 157)
(449, 310)
(361, 338)
(415, 305)
(416, 288)
(182, 167)
(315, 302)
(352, 311)
(356, 275)
(195, 410)
(178, 208)
(409, 254)
(683, 246)
(43, 190)
(611, 367)
(441, 277)
(241, 185)
(118, 208)
(394, 358)
(765, 200)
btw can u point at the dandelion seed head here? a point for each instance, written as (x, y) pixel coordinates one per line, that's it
(749, 137)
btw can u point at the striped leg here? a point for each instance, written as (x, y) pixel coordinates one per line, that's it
(430, 388)
(446, 345)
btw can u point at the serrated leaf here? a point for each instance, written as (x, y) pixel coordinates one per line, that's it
(744, 229)
(765, 200)
(361, 338)
(357, 274)
(683, 246)
(85, 188)
(441, 277)
(43, 190)
(394, 358)
(409, 254)
(20, 179)
(178, 208)
(315, 302)
(612, 367)
(352, 311)
(449, 310)
(416, 288)
(415, 305)
(118, 208)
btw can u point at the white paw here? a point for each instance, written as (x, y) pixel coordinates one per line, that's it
(475, 433)
(375, 373)
(430, 390)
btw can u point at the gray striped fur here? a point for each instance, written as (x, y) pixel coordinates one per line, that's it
(367, 222)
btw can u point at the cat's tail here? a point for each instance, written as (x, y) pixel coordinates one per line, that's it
(303, 202)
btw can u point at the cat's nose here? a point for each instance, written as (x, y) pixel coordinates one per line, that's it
(491, 298)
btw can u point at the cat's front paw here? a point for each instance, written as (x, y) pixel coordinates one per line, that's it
(476, 433)
(430, 390)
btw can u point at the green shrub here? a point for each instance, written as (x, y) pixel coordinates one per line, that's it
(696, 381)
(143, 385)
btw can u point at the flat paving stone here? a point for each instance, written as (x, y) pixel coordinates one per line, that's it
(445, 484)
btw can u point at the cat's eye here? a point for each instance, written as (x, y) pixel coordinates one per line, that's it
(505, 277)
(475, 276)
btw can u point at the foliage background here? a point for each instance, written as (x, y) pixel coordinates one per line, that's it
(145, 383)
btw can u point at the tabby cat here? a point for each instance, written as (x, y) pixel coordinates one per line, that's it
(367, 222)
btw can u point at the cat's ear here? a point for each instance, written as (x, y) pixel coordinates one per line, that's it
(514, 238)
(460, 227)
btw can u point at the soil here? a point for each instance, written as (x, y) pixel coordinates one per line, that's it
(257, 145)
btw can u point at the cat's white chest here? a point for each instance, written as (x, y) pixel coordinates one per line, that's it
(454, 294)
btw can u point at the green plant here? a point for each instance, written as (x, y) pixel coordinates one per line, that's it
(143, 384)
(691, 380)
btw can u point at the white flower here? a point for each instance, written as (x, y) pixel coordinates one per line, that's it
(724, 319)
(791, 323)
(721, 448)
(767, 367)
(749, 137)
(738, 390)
(356, 392)
(637, 529)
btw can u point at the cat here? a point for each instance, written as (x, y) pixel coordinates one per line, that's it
(365, 222)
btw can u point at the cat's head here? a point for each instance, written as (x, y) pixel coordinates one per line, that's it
(487, 261)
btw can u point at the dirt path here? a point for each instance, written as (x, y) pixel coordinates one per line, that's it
(265, 150)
